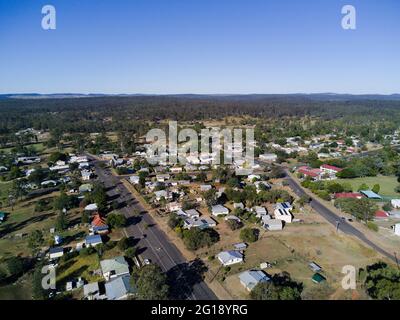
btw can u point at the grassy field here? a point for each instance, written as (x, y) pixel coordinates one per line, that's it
(22, 290)
(4, 188)
(23, 220)
(38, 147)
(292, 250)
(387, 184)
(78, 266)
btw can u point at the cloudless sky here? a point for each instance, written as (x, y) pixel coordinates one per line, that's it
(200, 46)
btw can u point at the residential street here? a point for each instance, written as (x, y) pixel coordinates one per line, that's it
(153, 244)
(333, 218)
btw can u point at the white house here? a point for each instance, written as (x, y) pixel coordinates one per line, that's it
(330, 170)
(251, 177)
(134, 179)
(192, 213)
(284, 215)
(270, 157)
(162, 177)
(231, 217)
(59, 167)
(202, 223)
(205, 187)
(174, 206)
(86, 175)
(249, 279)
(396, 229)
(395, 203)
(219, 210)
(259, 211)
(78, 159)
(228, 258)
(176, 169)
(273, 224)
(91, 207)
(83, 165)
(56, 252)
(162, 194)
(238, 205)
(284, 206)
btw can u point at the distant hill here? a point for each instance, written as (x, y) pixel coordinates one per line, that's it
(231, 97)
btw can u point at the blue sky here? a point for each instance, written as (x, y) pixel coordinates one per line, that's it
(200, 46)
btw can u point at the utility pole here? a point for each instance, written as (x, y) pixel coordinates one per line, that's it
(337, 225)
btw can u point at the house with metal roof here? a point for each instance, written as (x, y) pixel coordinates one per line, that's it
(56, 252)
(93, 240)
(259, 211)
(228, 258)
(315, 267)
(91, 291)
(119, 288)
(371, 195)
(219, 210)
(240, 246)
(113, 268)
(87, 187)
(273, 224)
(249, 279)
(201, 223)
(284, 215)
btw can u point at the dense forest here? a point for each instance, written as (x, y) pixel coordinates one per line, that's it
(99, 114)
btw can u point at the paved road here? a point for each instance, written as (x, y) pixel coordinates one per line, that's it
(333, 218)
(151, 240)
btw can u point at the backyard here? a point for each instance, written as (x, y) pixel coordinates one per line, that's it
(387, 184)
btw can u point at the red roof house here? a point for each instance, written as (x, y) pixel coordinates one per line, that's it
(307, 171)
(327, 167)
(98, 221)
(380, 214)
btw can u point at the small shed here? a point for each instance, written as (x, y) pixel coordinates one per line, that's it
(318, 278)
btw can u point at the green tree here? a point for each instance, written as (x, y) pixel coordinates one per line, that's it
(382, 282)
(363, 187)
(15, 265)
(234, 224)
(123, 244)
(376, 188)
(195, 238)
(116, 220)
(210, 197)
(61, 222)
(38, 292)
(35, 239)
(280, 287)
(131, 252)
(151, 283)
(249, 235)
